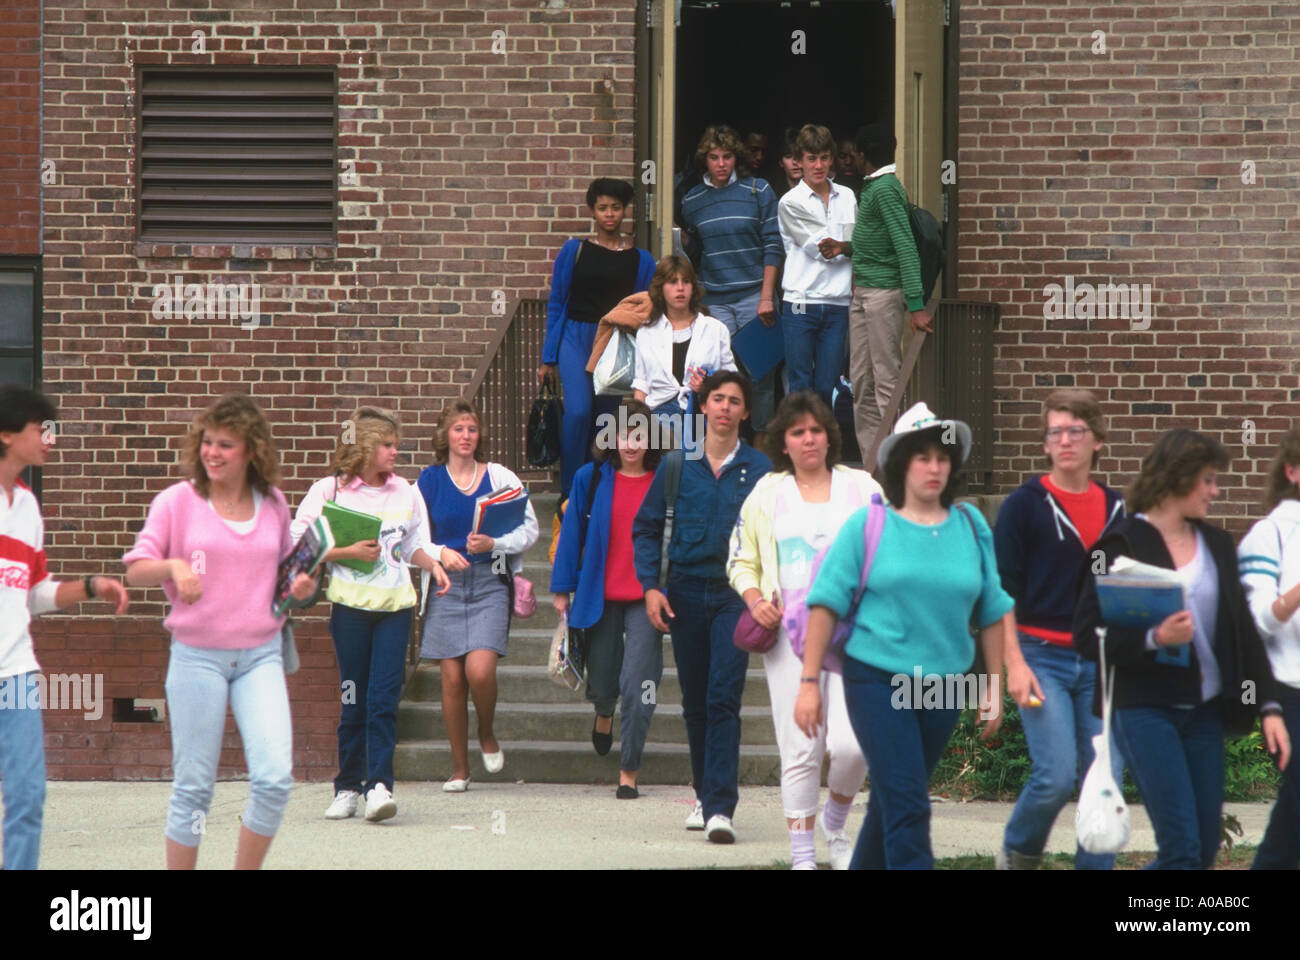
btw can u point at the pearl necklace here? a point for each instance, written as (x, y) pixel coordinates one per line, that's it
(463, 489)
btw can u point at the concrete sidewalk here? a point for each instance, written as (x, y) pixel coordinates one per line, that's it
(101, 825)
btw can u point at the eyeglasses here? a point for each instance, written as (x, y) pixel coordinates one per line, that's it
(1076, 433)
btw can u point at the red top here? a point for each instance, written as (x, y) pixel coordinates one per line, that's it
(1087, 511)
(620, 575)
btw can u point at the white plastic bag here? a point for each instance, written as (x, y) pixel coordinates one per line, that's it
(565, 663)
(616, 367)
(1101, 821)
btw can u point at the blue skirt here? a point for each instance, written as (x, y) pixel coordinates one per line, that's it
(473, 615)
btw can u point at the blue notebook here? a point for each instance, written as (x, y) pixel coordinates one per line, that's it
(1137, 606)
(759, 347)
(498, 519)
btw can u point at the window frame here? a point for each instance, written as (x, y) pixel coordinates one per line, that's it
(30, 265)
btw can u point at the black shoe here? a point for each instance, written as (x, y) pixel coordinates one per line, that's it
(626, 793)
(602, 741)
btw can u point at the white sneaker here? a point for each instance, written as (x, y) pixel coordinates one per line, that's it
(720, 829)
(695, 821)
(380, 804)
(841, 847)
(344, 805)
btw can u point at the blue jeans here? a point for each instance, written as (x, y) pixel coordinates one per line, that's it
(734, 316)
(22, 770)
(1280, 848)
(578, 425)
(199, 684)
(1059, 735)
(814, 346)
(371, 649)
(711, 671)
(902, 747)
(1176, 756)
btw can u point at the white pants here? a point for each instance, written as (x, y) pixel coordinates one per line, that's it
(801, 758)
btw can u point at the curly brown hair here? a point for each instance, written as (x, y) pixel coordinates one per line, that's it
(239, 415)
(452, 412)
(1288, 455)
(671, 268)
(796, 406)
(1171, 467)
(719, 136)
(371, 426)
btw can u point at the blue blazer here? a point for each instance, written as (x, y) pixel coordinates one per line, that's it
(588, 584)
(557, 305)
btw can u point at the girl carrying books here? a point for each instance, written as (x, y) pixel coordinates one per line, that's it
(373, 601)
(465, 628)
(214, 542)
(1199, 675)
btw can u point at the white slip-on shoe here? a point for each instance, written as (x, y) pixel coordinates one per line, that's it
(380, 804)
(456, 786)
(344, 805)
(493, 762)
(720, 829)
(695, 819)
(841, 847)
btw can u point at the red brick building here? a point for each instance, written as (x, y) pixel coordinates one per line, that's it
(457, 140)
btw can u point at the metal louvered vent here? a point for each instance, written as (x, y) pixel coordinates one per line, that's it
(236, 155)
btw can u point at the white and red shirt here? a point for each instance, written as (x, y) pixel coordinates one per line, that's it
(26, 588)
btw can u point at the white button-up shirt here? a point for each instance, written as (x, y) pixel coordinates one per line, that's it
(805, 221)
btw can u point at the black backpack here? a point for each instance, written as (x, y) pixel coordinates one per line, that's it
(930, 250)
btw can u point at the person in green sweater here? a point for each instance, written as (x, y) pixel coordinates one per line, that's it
(886, 283)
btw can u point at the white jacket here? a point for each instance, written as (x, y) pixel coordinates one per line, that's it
(1268, 559)
(710, 347)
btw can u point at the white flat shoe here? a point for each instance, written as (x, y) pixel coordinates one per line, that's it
(494, 762)
(456, 786)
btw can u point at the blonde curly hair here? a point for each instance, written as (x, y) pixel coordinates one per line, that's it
(239, 415)
(355, 451)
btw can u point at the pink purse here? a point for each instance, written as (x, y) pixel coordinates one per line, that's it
(525, 602)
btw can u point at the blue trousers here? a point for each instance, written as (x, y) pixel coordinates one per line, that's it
(1280, 848)
(22, 770)
(815, 340)
(1059, 736)
(902, 747)
(1176, 756)
(578, 425)
(371, 650)
(711, 671)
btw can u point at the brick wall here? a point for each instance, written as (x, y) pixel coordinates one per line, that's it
(20, 128)
(472, 171)
(1127, 166)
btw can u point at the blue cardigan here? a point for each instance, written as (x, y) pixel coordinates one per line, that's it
(586, 584)
(557, 313)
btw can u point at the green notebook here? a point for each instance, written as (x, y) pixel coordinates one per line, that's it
(350, 526)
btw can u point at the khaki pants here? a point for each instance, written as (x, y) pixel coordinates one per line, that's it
(875, 356)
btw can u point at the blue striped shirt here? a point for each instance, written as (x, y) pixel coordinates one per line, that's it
(739, 235)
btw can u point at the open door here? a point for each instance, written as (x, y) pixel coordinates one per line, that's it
(918, 99)
(660, 117)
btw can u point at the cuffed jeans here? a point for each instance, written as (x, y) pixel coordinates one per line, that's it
(1059, 736)
(632, 668)
(814, 345)
(22, 769)
(711, 671)
(371, 649)
(1280, 848)
(734, 316)
(902, 747)
(1176, 757)
(875, 357)
(200, 682)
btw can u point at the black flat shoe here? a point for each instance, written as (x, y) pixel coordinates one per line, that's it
(602, 741)
(626, 793)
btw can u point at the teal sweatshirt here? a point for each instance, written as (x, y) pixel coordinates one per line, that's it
(923, 585)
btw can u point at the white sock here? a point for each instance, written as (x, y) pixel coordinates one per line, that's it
(835, 814)
(803, 847)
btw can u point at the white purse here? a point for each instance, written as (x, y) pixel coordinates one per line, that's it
(1101, 821)
(616, 367)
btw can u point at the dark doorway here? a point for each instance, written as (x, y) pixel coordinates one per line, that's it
(736, 65)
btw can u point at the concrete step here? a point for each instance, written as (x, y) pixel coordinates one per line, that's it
(528, 683)
(533, 645)
(550, 762)
(568, 722)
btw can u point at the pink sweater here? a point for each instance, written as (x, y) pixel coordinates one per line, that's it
(237, 571)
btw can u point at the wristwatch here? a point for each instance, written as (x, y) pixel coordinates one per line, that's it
(88, 585)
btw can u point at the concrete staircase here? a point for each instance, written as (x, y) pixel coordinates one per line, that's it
(545, 730)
